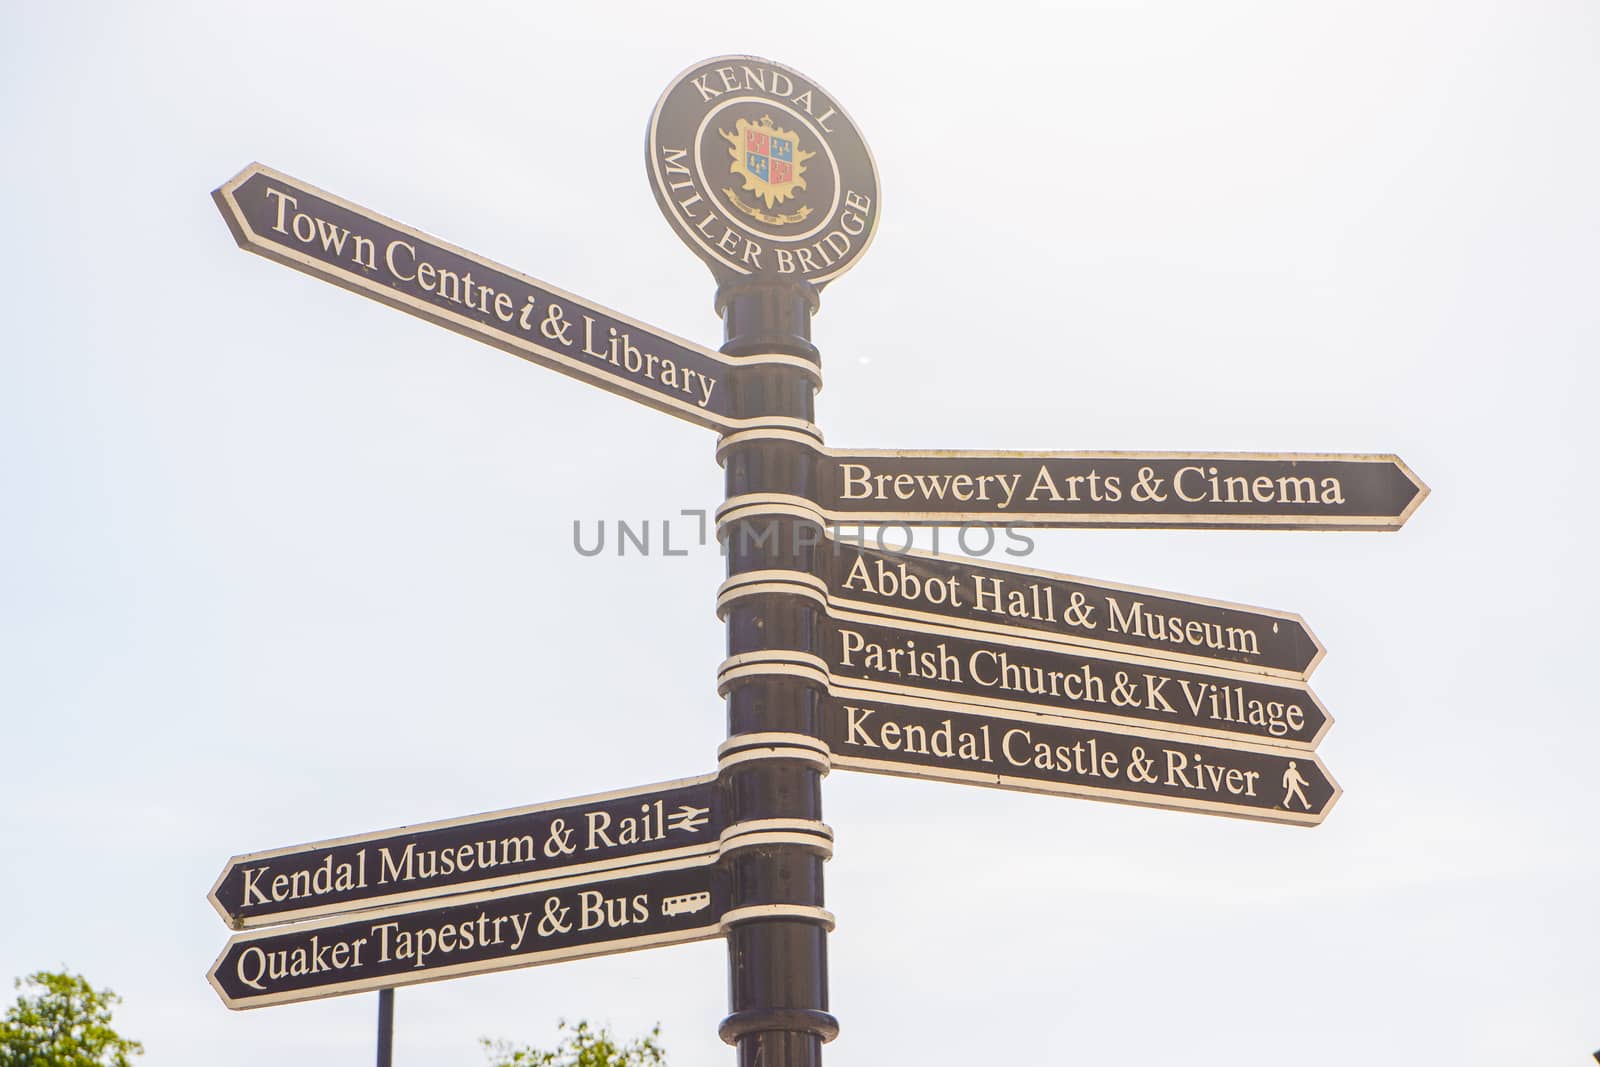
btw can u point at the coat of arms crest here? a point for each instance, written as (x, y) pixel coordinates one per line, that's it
(772, 164)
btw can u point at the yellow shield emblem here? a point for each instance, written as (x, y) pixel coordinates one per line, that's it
(772, 164)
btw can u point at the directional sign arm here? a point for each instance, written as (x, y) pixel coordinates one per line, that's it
(1197, 490)
(672, 822)
(300, 226)
(472, 934)
(950, 743)
(993, 598)
(994, 672)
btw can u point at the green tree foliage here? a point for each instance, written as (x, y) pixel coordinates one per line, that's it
(66, 1023)
(581, 1046)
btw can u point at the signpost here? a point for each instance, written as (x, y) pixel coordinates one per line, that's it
(300, 226)
(839, 655)
(1072, 683)
(1197, 490)
(672, 822)
(1002, 600)
(472, 934)
(765, 177)
(1038, 754)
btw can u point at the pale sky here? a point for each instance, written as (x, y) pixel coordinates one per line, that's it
(280, 564)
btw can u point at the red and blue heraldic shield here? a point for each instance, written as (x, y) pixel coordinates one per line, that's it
(769, 158)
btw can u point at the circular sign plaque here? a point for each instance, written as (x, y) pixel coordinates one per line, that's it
(761, 172)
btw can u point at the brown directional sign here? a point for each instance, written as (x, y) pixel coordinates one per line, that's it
(657, 824)
(1042, 755)
(990, 598)
(316, 232)
(472, 934)
(1215, 490)
(905, 662)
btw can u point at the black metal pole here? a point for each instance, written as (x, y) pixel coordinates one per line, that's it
(386, 1028)
(771, 769)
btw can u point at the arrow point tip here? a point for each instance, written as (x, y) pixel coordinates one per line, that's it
(1420, 490)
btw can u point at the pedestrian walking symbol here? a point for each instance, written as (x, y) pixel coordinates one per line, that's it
(1293, 781)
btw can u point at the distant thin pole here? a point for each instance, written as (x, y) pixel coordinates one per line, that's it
(386, 1028)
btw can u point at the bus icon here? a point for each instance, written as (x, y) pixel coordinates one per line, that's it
(685, 904)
